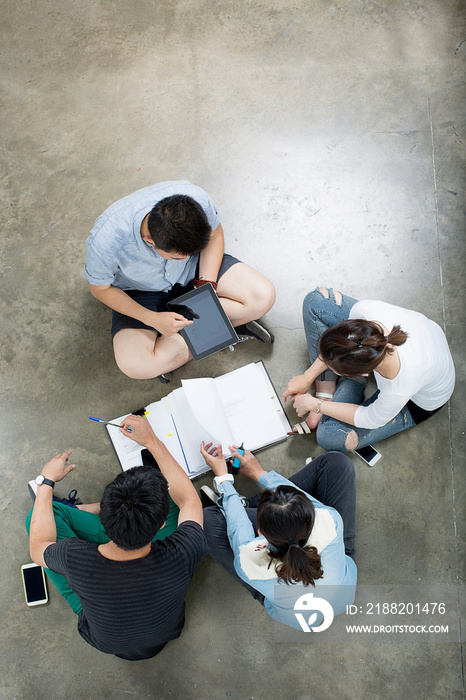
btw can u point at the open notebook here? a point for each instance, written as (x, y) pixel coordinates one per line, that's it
(241, 406)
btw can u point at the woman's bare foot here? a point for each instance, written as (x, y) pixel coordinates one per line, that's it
(312, 420)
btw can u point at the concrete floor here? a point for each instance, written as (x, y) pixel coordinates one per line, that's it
(331, 135)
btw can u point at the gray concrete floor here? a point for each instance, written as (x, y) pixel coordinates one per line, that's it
(331, 135)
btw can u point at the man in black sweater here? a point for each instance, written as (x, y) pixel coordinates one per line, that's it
(120, 567)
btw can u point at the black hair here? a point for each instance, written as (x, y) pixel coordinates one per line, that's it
(178, 224)
(286, 517)
(134, 507)
(357, 347)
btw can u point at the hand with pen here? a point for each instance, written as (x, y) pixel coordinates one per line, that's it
(215, 460)
(141, 433)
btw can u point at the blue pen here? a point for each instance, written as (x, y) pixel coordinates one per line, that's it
(236, 462)
(129, 429)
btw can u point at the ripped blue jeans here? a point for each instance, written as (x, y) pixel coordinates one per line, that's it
(319, 314)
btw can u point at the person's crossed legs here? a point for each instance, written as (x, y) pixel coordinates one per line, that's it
(140, 353)
(322, 309)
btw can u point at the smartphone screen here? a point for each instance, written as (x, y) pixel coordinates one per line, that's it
(368, 454)
(34, 584)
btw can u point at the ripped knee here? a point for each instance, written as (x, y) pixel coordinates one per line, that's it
(351, 441)
(338, 297)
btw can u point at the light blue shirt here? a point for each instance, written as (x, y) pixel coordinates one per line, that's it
(117, 254)
(338, 584)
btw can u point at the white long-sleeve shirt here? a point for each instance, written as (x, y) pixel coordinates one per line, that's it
(427, 372)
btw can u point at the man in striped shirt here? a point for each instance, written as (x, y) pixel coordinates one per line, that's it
(123, 564)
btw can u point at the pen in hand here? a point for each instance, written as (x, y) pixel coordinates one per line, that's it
(236, 462)
(129, 429)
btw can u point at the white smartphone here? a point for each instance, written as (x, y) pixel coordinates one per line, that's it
(368, 454)
(35, 590)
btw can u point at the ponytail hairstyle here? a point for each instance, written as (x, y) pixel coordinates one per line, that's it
(286, 517)
(357, 347)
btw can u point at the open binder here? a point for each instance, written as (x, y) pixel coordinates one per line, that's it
(241, 406)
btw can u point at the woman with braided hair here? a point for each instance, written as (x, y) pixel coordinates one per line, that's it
(347, 340)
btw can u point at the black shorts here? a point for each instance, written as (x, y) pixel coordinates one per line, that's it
(157, 301)
(418, 414)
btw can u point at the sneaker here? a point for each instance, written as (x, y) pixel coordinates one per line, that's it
(32, 488)
(208, 497)
(251, 502)
(165, 378)
(255, 331)
(71, 501)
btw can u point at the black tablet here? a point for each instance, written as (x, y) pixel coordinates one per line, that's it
(212, 330)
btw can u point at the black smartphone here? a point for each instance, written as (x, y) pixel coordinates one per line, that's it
(35, 590)
(148, 460)
(368, 454)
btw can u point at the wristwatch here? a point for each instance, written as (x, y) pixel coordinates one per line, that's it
(220, 479)
(42, 480)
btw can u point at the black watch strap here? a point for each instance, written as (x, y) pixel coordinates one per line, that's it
(48, 482)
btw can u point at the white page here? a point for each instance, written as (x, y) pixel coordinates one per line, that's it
(159, 416)
(190, 431)
(160, 419)
(128, 451)
(251, 406)
(240, 406)
(204, 402)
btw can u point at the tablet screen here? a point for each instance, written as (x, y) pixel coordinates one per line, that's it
(212, 330)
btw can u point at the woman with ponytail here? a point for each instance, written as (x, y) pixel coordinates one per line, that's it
(347, 340)
(285, 517)
(294, 538)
